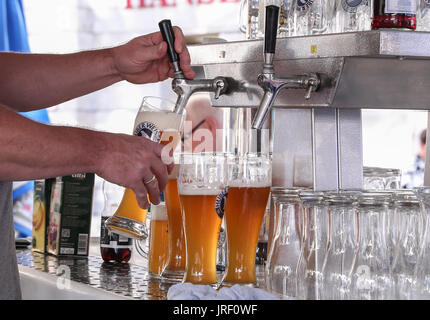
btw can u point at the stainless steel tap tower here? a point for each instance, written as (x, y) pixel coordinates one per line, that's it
(318, 141)
(316, 131)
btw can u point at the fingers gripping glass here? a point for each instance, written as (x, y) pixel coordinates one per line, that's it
(154, 121)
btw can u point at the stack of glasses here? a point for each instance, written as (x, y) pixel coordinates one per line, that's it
(312, 17)
(350, 245)
(381, 178)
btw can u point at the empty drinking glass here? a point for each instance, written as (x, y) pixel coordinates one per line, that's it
(352, 16)
(315, 241)
(313, 16)
(252, 16)
(381, 178)
(423, 266)
(423, 15)
(410, 227)
(371, 276)
(283, 258)
(342, 244)
(286, 25)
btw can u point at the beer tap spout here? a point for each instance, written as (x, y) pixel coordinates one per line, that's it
(183, 87)
(269, 82)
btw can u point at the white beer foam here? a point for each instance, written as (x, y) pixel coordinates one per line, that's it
(162, 120)
(158, 212)
(198, 192)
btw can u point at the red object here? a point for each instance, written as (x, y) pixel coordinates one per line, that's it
(118, 255)
(112, 246)
(391, 20)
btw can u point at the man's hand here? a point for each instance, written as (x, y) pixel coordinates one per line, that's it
(130, 161)
(31, 150)
(144, 59)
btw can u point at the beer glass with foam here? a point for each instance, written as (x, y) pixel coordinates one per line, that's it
(249, 181)
(175, 266)
(155, 121)
(156, 249)
(202, 178)
(158, 239)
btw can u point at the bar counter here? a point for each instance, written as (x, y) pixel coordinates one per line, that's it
(122, 280)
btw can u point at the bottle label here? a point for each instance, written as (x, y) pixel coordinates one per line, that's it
(351, 6)
(220, 202)
(303, 5)
(148, 130)
(113, 240)
(401, 6)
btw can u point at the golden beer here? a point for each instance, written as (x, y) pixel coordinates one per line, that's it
(155, 121)
(158, 240)
(249, 181)
(128, 209)
(175, 266)
(244, 212)
(202, 226)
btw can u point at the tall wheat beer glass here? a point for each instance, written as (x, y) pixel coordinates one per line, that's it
(202, 178)
(175, 266)
(249, 181)
(155, 121)
(158, 239)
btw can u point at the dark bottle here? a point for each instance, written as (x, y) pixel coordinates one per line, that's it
(112, 246)
(394, 14)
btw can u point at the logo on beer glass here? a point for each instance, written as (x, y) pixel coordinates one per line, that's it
(148, 130)
(63, 280)
(220, 202)
(363, 280)
(303, 5)
(352, 5)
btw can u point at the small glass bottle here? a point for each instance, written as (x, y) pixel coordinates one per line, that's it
(113, 247)
(394, 14)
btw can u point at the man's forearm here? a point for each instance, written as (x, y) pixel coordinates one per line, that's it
(31, 150)
(34, 81)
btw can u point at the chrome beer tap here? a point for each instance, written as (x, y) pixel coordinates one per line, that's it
(184, 88)
(267, 80)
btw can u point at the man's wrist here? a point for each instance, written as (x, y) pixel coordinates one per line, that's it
(109, 62)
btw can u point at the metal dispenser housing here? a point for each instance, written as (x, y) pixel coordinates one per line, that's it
(318, 142)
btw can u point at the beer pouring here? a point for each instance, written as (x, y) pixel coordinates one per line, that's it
(184, 88)
(268, 81)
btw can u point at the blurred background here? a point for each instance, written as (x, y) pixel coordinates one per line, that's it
(391, 138)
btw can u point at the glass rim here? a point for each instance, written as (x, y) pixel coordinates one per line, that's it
(374, 198)
(181, 154)
(312, 196)
(379, 171)
(149, 99)
(423, 193)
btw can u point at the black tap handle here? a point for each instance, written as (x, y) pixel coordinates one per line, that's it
(169, 36)
(272, 13)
